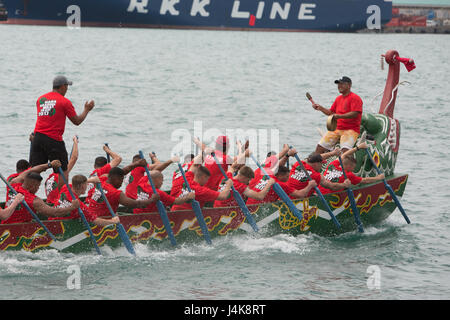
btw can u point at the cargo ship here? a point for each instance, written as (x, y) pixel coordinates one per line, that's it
(263, 15)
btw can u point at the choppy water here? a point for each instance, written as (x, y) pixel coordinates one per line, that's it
(149, 83)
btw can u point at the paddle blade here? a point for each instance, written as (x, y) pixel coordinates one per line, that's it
(201, 221)
(165, 219)
(125, 239)
(308, 96)
(237, 196)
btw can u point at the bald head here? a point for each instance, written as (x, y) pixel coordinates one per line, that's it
(157, 178)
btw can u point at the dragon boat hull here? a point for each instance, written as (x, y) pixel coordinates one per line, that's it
(374, 202)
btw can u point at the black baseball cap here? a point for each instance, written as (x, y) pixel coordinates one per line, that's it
(343, 79)
(60, 81)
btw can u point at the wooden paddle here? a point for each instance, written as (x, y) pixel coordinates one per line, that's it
(34, 215)
(237, 196)
(161, 209)
(120, 229)
(351, 198)
(80, 212)
(197, 209)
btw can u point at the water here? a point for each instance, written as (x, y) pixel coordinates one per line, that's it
(147, 84)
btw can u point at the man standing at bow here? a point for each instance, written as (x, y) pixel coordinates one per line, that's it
(347, 110)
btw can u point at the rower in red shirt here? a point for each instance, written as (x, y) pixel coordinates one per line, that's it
(281, 177)
(189, 168)
(241, 184)
(334, 173)
(177, 178)
(28, 184)
(21, 166)
(347, 109)
(52, 110)
(111, 185)
(272, 162)
(202, 193)
(78, 187)
(313, 164)
(222, 146)
(53, 184)
(133, 178)
(102, 167)
(145, 191)
(9, 210)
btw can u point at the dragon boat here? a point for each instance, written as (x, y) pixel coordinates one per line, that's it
(374, 202)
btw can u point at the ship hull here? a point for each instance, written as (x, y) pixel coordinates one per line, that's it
(314, 15)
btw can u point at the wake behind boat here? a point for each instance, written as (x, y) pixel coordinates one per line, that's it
(374, 201)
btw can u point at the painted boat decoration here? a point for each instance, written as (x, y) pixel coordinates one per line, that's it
(287, 15)
(373, 201)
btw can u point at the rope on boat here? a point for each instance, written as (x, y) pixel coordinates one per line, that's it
(380, 93)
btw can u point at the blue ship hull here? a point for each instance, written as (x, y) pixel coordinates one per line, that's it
(282, 15)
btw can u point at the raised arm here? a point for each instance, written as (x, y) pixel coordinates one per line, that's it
(115, 158)
(74, 157)
(79, 118)
(325, 111)
(38, 169)
(139, 163)
(163, 165)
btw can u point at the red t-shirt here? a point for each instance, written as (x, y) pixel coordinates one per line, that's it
(132, 182)
(344, 104)
(334, 173)
(96, 203)
(216, 174)
(97, 173)
(298, 178)
(145, 192)
(202, 195)
(177, 179)
(52, 110)
(65, 200)
(21, 213)
(9, 193)
(51, 188)
(271, 196)
(230, 202)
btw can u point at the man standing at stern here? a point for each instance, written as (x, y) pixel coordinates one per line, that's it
(52, 110)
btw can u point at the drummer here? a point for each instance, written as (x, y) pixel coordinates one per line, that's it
(347, 110)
